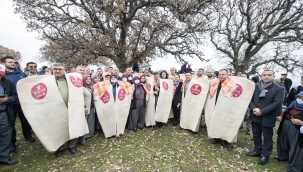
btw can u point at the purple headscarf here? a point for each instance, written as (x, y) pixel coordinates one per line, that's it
(137, 86)
(94, 76)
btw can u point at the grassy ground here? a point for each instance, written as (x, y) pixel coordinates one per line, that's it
(153, 149)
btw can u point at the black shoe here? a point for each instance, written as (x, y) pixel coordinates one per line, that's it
(228, 146)
(73, 150)
(252, 154)
(159, 124)
(263, 160)
(59, 153)
(30, 139)
(135, 129)
(13, 148)
(277, 158)
(175, 123)
(8, 162)
(214, 141)
(203, 126)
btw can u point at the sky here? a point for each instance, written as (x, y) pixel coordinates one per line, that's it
(13, 35)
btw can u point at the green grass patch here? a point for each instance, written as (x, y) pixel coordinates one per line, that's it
(169, 148)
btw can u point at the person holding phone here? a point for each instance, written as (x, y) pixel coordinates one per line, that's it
(8, 95)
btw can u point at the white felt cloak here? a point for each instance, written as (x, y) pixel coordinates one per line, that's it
(113, 115)
(46, 112)
(163, 107)
(224, 119)
(150, 109)
(193, 103)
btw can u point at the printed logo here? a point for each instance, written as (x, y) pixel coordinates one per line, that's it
(238, 91)
(105, 98)
(121, 94)
(165, 85)
(76, 81)
(148, 87)
(195, 89)
(39, 91)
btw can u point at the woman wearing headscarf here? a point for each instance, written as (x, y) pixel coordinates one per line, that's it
(138, 104)
(95, 78)
(88, 92)
(290, 140)
(177, 99)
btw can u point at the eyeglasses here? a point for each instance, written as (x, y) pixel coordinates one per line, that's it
(32, 67)
(59, 69)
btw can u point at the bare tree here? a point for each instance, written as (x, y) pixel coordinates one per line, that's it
(251, 34)
(4, 51)
(122, 31)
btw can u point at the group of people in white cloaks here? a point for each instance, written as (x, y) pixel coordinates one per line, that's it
(114, 101)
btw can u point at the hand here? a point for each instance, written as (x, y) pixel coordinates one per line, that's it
(279, 118)
(146, 103)
(156, 92)
(296, 121)
(3, 100)
(157, 88)
(257, 112)
(85, 110)
(179, 104)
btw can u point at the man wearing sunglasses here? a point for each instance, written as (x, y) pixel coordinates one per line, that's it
(31, 69)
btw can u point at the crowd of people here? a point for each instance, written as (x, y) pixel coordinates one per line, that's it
(265, 106)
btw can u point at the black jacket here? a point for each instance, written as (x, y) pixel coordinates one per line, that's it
(287, 83)
(268, 105)
(292, 94)
(10, 91)
(178, 95)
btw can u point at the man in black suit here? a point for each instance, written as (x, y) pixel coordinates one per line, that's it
(286, 82)
(293, 92)
(267, 98)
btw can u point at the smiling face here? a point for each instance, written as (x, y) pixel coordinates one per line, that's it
(176, 78)
(88, 80)
(97, 79)
(209, 73)
(59, 71)
(163, 75)
(32, 68)
(143, 79)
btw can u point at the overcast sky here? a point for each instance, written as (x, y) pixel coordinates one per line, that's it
(13, 35)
